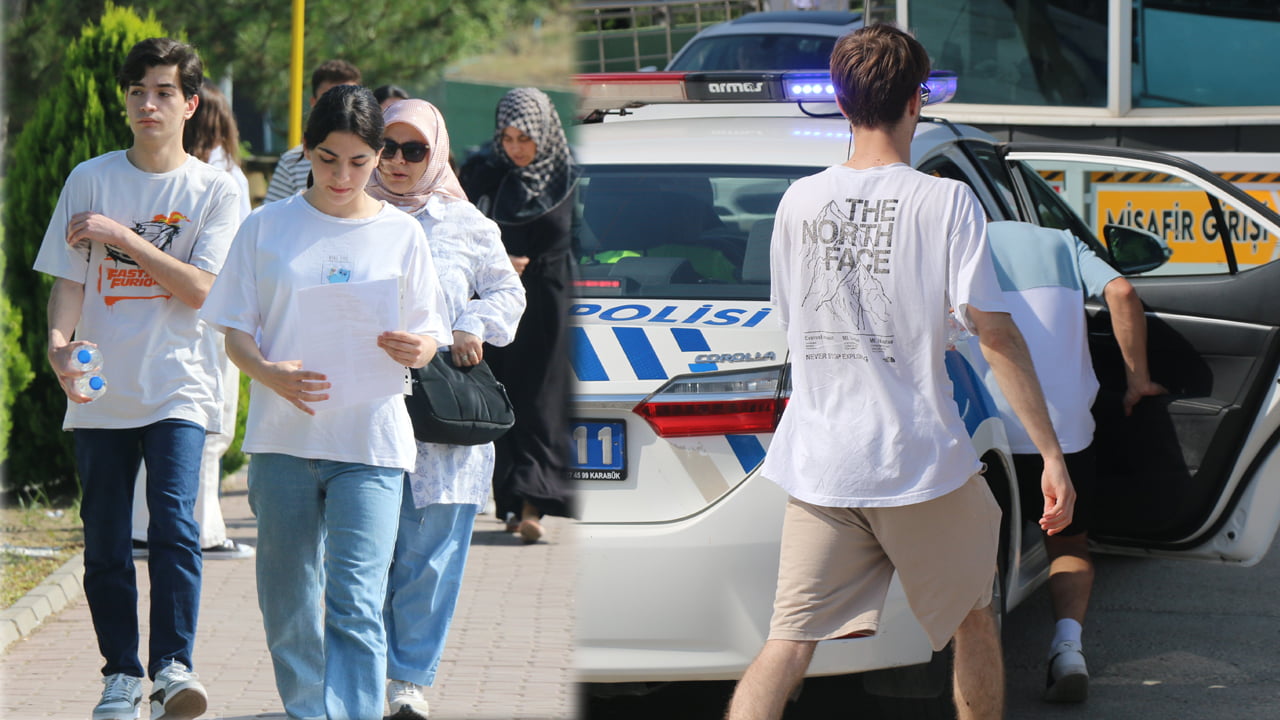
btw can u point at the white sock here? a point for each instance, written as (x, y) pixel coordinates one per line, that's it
(1066, 629)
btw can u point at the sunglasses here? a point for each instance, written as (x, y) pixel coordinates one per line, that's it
(924, 95)
(414, 152)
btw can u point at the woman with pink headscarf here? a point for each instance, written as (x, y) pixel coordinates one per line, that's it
(451, 482)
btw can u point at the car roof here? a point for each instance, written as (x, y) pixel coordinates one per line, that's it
(821, 17)
(817, 24)
(755, 134)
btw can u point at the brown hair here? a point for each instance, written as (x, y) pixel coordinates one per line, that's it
(876, 70)
(334, 72)
(212, 126)
(156, 52)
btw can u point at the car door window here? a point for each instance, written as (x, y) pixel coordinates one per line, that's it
(997, 174)
(945, 166)
(1182, 213)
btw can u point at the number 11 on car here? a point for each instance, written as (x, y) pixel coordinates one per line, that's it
(597, 450)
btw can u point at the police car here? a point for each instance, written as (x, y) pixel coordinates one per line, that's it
(682, 368)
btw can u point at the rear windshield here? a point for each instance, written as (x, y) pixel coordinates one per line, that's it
(757, 52)
(692, 232)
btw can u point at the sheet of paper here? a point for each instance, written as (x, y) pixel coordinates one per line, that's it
(341, 323)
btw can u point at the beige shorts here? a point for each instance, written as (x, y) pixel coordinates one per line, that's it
(836, 564)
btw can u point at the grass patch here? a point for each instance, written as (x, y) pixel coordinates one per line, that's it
(53, 535)
(541, 56)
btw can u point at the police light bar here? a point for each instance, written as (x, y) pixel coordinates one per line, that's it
(598, 91)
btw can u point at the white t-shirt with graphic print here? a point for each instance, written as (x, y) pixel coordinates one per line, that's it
(865, 264)
(158, 362)
(288, 246)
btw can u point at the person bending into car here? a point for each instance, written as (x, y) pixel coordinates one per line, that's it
(871, 449)
(450, 484)
(1046, 276)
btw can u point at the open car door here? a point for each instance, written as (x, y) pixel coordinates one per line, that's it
(1195, 472)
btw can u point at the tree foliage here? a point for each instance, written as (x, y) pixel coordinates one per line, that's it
(391, 41)
(79, 117)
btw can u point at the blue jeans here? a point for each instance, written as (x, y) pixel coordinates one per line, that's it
(326, 531)
(426, 576)
(108, 463)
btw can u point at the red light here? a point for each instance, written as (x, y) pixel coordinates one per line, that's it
(717, 417)
(630, 78)
(597, 283)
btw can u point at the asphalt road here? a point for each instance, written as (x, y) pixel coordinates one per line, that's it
(1166, 639)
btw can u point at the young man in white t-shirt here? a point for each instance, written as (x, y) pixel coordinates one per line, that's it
(134, 243)
(866, 259)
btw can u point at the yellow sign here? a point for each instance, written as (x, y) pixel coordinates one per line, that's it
(1185, 221)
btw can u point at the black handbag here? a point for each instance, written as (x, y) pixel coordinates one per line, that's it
(458, 405)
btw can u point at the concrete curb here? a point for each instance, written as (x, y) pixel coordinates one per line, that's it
(57, 591)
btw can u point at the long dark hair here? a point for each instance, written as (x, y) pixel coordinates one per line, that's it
(212, 126)
(345, 108)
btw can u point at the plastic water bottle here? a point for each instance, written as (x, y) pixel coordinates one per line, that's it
(91, 386)
(86, 359)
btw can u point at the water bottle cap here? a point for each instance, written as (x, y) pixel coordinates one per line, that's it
(96, 382)
(84, 355)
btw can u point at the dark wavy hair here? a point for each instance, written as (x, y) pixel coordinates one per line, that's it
(382, 92)
(345, 108)
(212, 126)
(876, 70)
(334, 72)
(154, 52)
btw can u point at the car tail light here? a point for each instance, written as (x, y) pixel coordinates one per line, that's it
(718, 403)
(597, 283)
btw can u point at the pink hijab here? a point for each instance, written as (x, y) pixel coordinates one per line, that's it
(438, 177)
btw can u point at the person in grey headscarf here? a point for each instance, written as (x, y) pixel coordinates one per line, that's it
(525, 183)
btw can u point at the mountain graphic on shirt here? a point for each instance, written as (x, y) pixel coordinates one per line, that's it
(851, 295)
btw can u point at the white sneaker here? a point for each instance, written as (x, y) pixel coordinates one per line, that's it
(406, 701)
(1068, 680)
(176, 694)
(228, 550)
(121, 698)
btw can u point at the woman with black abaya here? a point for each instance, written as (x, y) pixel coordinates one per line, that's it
(525, 182)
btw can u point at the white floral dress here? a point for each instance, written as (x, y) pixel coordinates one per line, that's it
(485, 298)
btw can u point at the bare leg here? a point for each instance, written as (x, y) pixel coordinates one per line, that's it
(762, 692)
(1070, 575)
(979, 668)
(529, 528)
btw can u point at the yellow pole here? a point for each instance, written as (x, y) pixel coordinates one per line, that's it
(295, 74)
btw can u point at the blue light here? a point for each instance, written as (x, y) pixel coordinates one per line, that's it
(809, 86)
(942, 86)
(818, 86)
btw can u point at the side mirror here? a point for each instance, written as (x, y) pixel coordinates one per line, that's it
(1135, 250)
